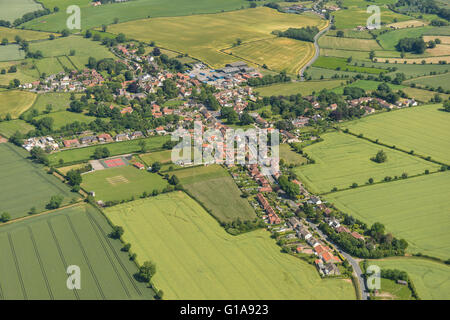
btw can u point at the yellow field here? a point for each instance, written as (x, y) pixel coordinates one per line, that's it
(203, 36)
(444, 39)
(15, 102)
(28, 35)
(278, 54)
(433, 60)
(408, 23)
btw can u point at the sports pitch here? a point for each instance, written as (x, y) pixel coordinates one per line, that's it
(36, 253)
(342, 159)
(197, 259)
(25, 184)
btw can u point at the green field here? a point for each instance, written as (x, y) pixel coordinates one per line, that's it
(367, 85)
(223, 31)
(11, 10)
(62, 118)
(213, 186)
(279, 54)
(415, 209)
(60, 101)
(122, 183)
(290, 156)
(25, 184)
(423, 95)
(390, 39)
(440, 80)
(348, 43)
(48, 66)
(160, 156)
(116, 148)
(11, 52)
(197, 259)
(423, 129)
(431, 279)
(342, 159)
(37, 252)
(339, 64)
(26, 72)
(29, 35)
(15, 102)
(8, 128)
(61, 47)
(390, 290)
(304, 88)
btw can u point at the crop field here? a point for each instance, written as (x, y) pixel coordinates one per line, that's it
(222, 32)
(304, 88)
(197, 259)
(8, 128)
(25, 184)
(116, 148)
(139, 9)
(348, 43)
(342, 159)
(37, 252)
(341, 64)
(11, 10)
(279, 54)
(122, 183)
(408, 24)
(414, 209)
(290, 156)
(431, 279)
(11, 52)
(440, 80)
(26, 72)
(214, 187)
(15, 102)
(84, 48)
(423, 129)
(62, 118)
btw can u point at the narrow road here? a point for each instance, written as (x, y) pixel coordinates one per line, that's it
(351, 260)
(317, 52)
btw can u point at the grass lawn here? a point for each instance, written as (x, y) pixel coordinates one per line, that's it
(290, 156)
(25, 184)
(304, 88)
(15, 102)
(197, 259)
(62, 118)
(223, 31)
(11, 52)
(415, 209)
(37, 252)
(422, 129)
(279, 54)
(115, 148)
(26, 72)
(122, 183)
(431, 279)
(11, 10)
(8, 128)
(342, 159)
(84, 48)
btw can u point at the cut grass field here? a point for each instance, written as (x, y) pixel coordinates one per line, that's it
(217, 191)
(422, 129)
(222, 31)
(15, 102)
(26, 72)
(279, 54)
(304, 88)
(431, 279)
(11, 10)
(342, 159)
(139, 9)
(36, 253)
(115, 148)
(197, 259)
(8, 128)
(415, 209)
(25, 184)
(62, 118)
(122, 183)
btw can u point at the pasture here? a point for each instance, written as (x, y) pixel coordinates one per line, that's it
(26, 72)
(28, 35)
(390, 290)
(304, 88)
(348, 43)
(11, 52)
(338, 64)
(367, 85)
(37, 252)
(59, 101)
(279, 54)
(139, 9)
(219, 31)
(26, 184)
(15, 102)
(122, 183)
(48, 66)
(342, 159)
(436, 81)
(8, 128)
(415, 209)
(11, 10)
(115, 148)
(422, 129)
(290, 156)
(62, 118)
(431, 279)
(423, 95)
(197, 259)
